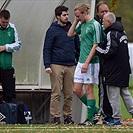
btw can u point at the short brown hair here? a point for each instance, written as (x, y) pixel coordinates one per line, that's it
(59, 10)
(5, 14)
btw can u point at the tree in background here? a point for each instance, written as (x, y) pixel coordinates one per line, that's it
(114, 5)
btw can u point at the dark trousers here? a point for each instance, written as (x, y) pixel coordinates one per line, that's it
(104, 103)
(107, 109)
(7, 80)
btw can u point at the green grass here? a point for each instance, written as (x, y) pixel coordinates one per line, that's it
(131, 83)
(50, 128)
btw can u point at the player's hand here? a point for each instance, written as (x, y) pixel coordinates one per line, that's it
(84, 68)
(2, 48)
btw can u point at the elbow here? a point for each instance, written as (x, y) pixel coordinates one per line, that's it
(69, 34)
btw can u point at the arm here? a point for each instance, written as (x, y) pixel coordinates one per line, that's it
(111, 47)
(71, 31)
(47, 49)
(77, 48)
(16, 45)
(85, 65)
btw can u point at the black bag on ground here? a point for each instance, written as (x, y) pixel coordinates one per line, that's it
(21, 109)
(10, 111)
(13, 113)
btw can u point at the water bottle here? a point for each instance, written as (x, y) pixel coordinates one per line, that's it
(28, 117)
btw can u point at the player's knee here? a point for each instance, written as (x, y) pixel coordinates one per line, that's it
(77, 91)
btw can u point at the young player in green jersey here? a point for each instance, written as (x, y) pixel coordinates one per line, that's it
(87, 70)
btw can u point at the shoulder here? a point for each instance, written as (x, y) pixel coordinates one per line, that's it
(11, 25)
(51, 28)
(96, 25)
(98, 19)
(96, 22)
(54, 26)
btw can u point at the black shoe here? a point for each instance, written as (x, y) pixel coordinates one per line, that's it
(68, 120)
(106, 120)
(86, 123)
(97, 117)
(56, 120)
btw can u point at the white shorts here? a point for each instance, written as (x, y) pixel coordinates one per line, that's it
(90, 77)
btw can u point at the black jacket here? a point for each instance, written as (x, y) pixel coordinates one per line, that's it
(116, 67)
(58, 47)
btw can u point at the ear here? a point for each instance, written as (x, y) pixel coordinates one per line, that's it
(84, 13)
(57, 17)
(109, 22)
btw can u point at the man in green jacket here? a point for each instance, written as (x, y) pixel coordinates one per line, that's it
(9, 43)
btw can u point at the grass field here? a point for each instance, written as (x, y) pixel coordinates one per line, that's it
(49, 128)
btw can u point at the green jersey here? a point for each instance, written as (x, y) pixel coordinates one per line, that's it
(90, 34)
(8, 37)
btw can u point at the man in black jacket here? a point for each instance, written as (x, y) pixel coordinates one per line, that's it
(104, 105)
(116, 67)
(59, 62)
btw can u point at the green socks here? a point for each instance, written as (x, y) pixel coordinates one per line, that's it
(92, 109)
(84, 99)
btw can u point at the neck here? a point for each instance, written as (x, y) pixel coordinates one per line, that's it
(88, 18)
(62, 24)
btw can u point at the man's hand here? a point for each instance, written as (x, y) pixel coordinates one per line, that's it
(84, 68)
(2, 48)
(48, 70)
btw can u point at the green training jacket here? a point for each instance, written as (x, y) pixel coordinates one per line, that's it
(8, 37)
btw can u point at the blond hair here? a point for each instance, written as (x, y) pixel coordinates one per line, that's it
(83, 8)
